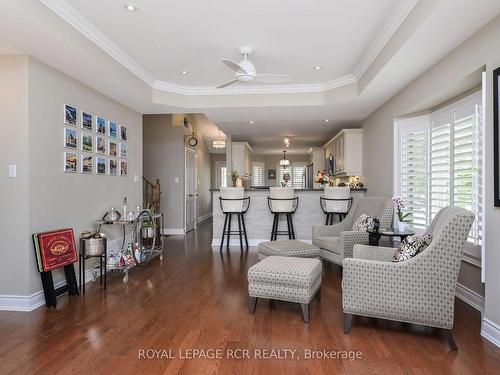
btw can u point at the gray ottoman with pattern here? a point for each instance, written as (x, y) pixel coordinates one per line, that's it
(288, 248)
(285, 279)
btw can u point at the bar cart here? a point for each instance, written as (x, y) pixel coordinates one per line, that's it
(145, 241)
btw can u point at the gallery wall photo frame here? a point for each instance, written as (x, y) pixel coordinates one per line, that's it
(113, 129)
(496, 135)
(113, 167)
(70, 115)
(87, 121)
(271, 174)
(87, 164)
(70, 138)
(123, 133)
(70, 164)
(86, 142)
(100, 165)
(100, 125)
(123, 168)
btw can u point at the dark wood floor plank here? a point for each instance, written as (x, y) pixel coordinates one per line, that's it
(197, 298)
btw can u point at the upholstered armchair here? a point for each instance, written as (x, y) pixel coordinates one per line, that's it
(420, 290)
(336, 241)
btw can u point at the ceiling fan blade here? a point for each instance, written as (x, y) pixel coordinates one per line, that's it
(233, 66)
(227, 84)
(273, 78)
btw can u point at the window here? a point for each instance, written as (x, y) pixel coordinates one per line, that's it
(221, 174)
(439, 162)
(297, 175)
(258, 173)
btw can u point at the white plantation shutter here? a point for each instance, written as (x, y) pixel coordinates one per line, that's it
(440, 168)
(223, 177)
(439, 162)
(298, 175)
(411, 168)
(258, 173)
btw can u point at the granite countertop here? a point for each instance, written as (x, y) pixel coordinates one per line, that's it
(266, 188)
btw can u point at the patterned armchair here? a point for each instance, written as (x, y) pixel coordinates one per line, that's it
(420, 290)
(336, 241)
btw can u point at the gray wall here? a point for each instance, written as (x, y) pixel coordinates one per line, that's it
(214, 159)
(43, 197)
(204, 167)
(163, 158)
(58, 199)
(271, 162)
(454, 74)
(14, 228)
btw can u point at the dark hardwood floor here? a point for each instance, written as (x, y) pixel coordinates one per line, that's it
(197, 299)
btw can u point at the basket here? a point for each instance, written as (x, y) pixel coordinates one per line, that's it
(93, 247)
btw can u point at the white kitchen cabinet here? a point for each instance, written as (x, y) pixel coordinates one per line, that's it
(347, 149)
(241, 155)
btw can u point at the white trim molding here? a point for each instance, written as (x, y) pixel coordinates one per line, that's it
(491, 331)
(35, 300)
(470, 297)
(204, 217)
(173, 231)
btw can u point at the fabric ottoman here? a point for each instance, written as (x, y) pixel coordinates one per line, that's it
(288, 248)
(285, 279)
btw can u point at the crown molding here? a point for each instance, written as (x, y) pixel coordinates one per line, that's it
(385, 35)
(87, 29)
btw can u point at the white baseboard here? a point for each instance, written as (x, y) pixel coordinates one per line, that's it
(235, 241)
(469, 296)
(204, 217)
(173, 231)
(491, 331)
(35, 300)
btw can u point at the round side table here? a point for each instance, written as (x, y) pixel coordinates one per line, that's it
(374, 237)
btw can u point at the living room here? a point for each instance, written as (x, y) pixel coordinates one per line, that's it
(192, 170)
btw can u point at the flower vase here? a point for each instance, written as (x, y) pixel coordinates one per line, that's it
(401, 226)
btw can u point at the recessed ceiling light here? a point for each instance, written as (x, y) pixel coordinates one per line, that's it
(327, 120)
(318, 67)
(184, 72)
(130, 7)
(250, 122)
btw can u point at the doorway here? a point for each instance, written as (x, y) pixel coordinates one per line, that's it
(190, 187)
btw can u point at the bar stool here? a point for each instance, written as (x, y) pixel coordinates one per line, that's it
(281, 201)
(337, 201)
(233, 202)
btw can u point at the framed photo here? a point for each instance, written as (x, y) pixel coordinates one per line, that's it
(70, 162)
(123, 150)
(496, 135)
(87, 142)
(70, 138)
(113, 148)
(271, 174)
(87, 164)
(100, 165)
(123, 133)
(112, 167)
(70, 115)
(113, 129)
(100, 145)
(87, 121)
(100, 125)
(123, 168)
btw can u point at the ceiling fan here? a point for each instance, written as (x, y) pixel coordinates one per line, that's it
(245, 71)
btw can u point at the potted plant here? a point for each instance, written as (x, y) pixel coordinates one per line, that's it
(403, 218)
(147, 226)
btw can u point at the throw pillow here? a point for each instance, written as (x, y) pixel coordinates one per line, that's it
(362, 223)
(411, 246)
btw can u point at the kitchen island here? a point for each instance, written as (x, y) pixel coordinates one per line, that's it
(259, 220)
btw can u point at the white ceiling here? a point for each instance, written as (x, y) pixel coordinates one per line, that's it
(369, 49)
(288, 36)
